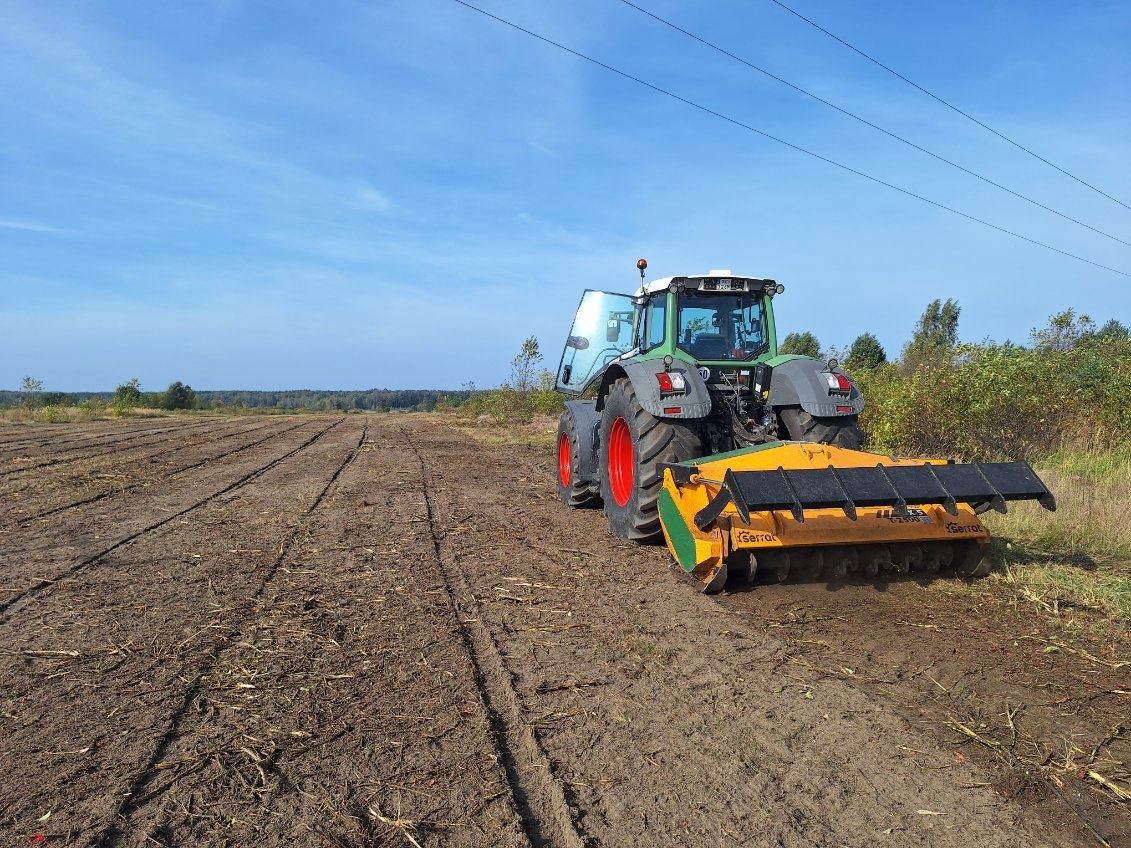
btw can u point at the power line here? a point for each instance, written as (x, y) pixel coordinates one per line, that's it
(949, 105)
(783, 142)
(868, 123)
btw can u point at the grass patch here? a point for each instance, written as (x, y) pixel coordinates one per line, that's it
(1082, 552)
(1056, 585)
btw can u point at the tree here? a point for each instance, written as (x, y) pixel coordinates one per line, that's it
(865, 353)
(31, 389)
(524, 367)
(127, 396)
(936, 331)
(801, 344)
(1114, 331)
(179, 396)
(1064, 331)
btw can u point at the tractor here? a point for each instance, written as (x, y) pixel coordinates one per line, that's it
(684, 422)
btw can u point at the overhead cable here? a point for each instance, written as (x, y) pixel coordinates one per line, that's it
(781, 141)
(949, 105)
(868, 123)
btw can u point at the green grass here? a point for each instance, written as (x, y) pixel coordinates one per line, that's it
(1082, 552)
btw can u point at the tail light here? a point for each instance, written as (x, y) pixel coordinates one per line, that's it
(671, 383)
(838, 383)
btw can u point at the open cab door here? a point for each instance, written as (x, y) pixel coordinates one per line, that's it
(601, 332)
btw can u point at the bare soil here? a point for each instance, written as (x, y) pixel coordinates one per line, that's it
(386, 630)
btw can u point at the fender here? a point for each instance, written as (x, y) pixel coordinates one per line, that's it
(694, 403)
(587, 422)
(802, 382)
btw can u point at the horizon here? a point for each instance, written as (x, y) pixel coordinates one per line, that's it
(243, 194)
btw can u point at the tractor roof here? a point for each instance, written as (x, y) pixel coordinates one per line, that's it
(661, 284)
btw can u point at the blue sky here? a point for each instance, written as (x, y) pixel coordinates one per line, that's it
(395, 193)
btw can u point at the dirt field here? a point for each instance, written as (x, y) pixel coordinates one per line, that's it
(381, 630)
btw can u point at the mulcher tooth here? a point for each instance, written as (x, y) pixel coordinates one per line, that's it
(741, 566)
(812, 562)
(882, 557)
(945, 552)
(899, 563)
(836, 563)
(914, 557)
(968, 559)
(869, 566)
(930, 558)
(777, 561)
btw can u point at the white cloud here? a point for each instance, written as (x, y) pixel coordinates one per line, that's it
(371, 198)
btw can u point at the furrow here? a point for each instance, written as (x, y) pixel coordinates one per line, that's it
(141, 788)
(210, 459)
(115, 447)
(538, 796)
(40, 585)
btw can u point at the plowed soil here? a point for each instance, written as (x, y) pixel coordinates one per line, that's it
(387, 630)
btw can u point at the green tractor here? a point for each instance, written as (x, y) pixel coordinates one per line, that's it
(685, 368)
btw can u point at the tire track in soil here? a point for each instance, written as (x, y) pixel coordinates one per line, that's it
(168, 475)
(673, 725)
(66, 431)
(140, 790)
(114, 445)
(65, 474)
(18, 597)
(364, 709)
(66, 435)
(126, 633)
(41, 484)
(538, 795)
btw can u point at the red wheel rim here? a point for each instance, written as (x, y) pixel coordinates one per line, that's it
(565, 460)
(622, 462)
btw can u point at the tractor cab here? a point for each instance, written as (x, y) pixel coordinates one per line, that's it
(716, 319)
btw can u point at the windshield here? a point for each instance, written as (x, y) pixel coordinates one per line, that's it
(718, 326)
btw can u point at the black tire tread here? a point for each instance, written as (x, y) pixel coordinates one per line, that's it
(842, 431)
(658, 440)
(579, 493)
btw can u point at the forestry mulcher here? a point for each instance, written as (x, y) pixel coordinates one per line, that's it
(686, 421)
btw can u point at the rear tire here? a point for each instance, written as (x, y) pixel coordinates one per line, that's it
(842, 430)
(633, 445)
(573, 491)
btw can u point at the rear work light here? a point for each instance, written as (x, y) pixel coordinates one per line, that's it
(671, 383)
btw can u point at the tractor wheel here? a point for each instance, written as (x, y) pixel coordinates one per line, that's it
(633, 444)
(572, 489)
(842, 431)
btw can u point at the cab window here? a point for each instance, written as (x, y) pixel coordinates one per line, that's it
(654, 322)
(719, 327)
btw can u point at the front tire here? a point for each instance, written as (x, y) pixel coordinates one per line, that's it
(634, 444)
(842, 430)
(573, 491)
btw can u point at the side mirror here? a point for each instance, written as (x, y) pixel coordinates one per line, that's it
(612, 332)
(577, 342)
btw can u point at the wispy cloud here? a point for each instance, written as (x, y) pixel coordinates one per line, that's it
(371, 198)
(28, 226)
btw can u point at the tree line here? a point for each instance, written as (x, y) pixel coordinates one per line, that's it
(179, 395)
